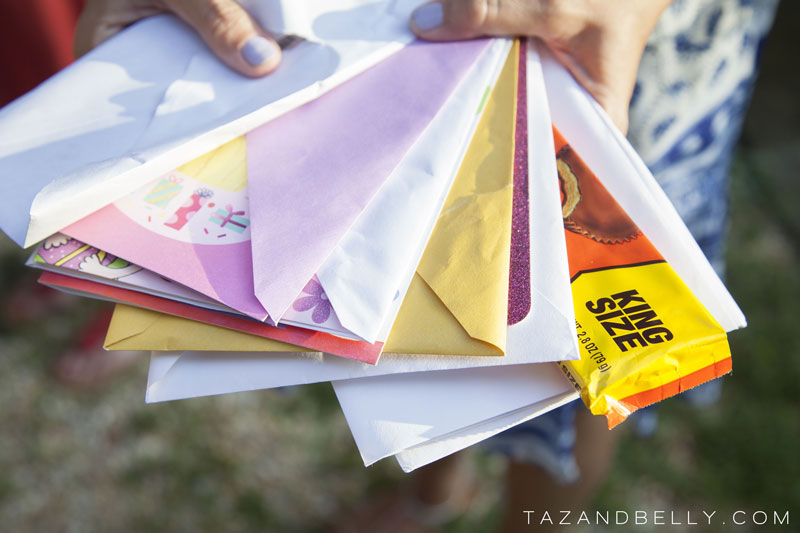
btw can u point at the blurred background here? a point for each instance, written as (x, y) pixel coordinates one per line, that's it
(95, 458)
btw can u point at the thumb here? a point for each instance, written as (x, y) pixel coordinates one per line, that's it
(231, 34)
(451, 20)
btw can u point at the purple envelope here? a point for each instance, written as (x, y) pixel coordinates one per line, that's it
(314, 170)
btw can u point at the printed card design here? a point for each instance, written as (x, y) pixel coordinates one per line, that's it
(67, 256)
(62, 251)
(186, 209)
(192, 226)
(165, 190)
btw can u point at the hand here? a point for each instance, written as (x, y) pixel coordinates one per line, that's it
(600, 41)
(223, 24)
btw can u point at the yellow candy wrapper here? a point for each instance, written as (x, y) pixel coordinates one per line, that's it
(642, 335)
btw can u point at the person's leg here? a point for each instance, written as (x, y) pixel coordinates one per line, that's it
(530, 488)
(432, 496)
(438, 482)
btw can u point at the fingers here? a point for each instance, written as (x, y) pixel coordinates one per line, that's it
(446, 20)
(600, 42)
(223, 24)
(231, 34)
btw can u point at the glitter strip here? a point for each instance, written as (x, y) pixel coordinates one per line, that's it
(519, 287)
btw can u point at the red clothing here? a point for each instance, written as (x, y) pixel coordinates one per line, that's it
(35, 42)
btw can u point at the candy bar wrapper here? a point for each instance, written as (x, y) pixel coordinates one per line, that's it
(643, 335)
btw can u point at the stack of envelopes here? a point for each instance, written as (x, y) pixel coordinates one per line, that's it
(381, 213)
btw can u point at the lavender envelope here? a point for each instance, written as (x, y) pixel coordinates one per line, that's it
(318, 167)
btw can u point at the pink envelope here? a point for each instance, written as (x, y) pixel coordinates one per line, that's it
(310, 174)
(314, 340)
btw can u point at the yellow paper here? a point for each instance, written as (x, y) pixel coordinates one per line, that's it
(133, 328)
(225, 167)
(472, 238)
(642, 335)
(466, 262)
(424, 327)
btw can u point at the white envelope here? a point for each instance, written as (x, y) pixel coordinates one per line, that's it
(434, 449)
(552, 318)
(393, 421)
(587, 127)
(368, 274)
(154, 97)
(390, 414)
(409, 430)
(282, 17)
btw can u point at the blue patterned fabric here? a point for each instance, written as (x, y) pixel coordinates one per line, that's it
(689, 102)
(691, 95)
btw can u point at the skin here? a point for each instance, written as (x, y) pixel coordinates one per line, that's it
(600, 41)
(222, 24)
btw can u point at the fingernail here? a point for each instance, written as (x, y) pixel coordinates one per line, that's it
(257, 50)
(429, 16)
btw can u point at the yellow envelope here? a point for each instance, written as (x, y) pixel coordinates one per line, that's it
(133, 328)
(457, 301)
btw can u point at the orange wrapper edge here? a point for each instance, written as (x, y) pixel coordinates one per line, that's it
(642, 335)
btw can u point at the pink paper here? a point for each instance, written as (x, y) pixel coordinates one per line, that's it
(315, 340)
(313, 171)
(199, 233)
(185, 230)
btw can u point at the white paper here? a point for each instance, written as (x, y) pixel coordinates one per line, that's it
(549, 333)
(367, 275)
(154, 97)
(390, 414)
(548, 254)
(303, 18)
(589, 130)
(282, 17)
(434, 449)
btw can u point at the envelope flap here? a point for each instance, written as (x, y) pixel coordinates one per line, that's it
(424, 325)
(133, 328)
(422, 454)
(471, 241)
(127, 322)
(154, 96)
